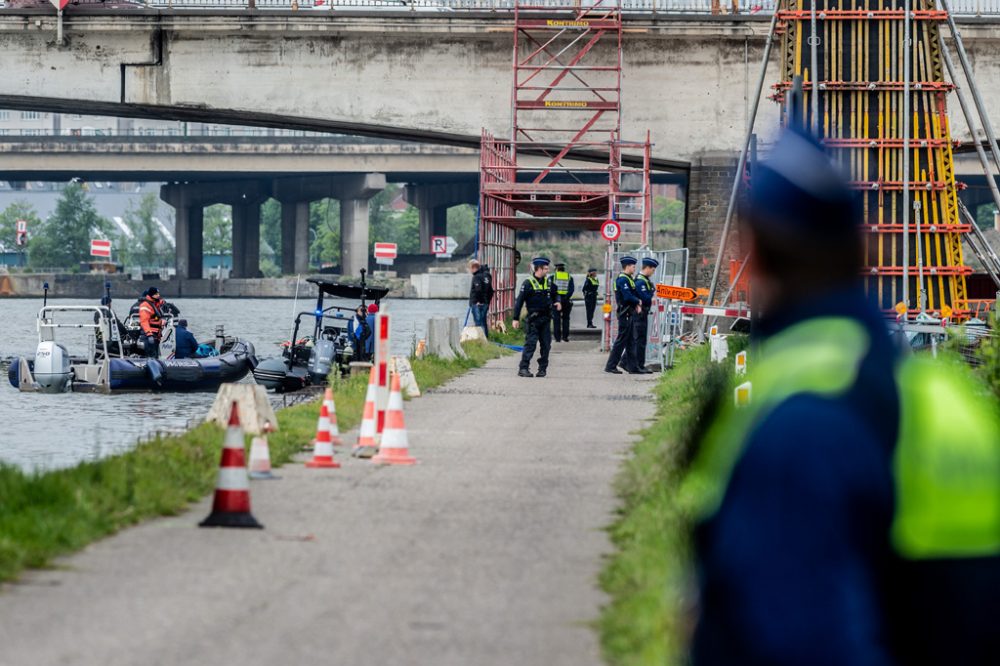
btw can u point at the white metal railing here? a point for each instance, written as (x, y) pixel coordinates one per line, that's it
(236, 132)
(718, 7)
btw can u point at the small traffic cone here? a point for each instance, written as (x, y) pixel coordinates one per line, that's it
(395, 449)
(323, 447)
(260, 455)
(331, 409)
(366, 446)
(231, 507)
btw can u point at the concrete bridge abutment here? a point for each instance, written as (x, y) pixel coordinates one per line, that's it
(709, 186)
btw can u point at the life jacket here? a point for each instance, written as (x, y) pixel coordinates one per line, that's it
(946, 462)
(150, 317)
(562, 282)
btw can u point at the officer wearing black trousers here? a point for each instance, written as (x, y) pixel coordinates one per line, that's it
(538, 293)
(629, 307)
(590, 288)
(564, 290)
(645, 290)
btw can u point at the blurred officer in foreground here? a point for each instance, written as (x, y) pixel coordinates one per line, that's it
(590, 288)
(538, 293)
(840, 519)
(629, 306)
(645, 290)
(564, 291)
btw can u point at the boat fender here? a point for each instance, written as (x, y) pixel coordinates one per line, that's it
(14, 372)
(252, 360)
(155, 371)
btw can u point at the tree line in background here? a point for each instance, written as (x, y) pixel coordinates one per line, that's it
(63, 240)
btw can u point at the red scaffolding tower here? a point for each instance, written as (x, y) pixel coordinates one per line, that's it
(562, 168)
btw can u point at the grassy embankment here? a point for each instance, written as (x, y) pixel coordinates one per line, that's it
(647, 576)
(49, 514)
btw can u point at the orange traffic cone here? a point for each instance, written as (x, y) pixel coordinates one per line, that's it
(331, 409)
(323, 447)
(366, 446)
(395, 449)
(260, 455)
(231, 507)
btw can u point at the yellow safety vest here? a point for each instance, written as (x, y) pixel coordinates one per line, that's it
(562, 283)
(946, 463)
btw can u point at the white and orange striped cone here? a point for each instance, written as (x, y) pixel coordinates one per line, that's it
(231, 506)
(366, 446)
(395, 448)
(322, 446)
(331, 409)
(260, 455)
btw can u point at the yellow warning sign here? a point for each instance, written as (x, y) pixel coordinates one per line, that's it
(564, 104)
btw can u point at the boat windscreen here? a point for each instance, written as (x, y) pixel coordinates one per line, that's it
(351, 291)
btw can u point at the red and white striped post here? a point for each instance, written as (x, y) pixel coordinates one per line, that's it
(383, 351)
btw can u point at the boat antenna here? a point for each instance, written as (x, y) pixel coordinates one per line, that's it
(295, 309)
(45, 294)
(363, 290)
(107, 292)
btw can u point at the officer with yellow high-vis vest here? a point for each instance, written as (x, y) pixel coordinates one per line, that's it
(564, 292)
(590, 288)
(538, 295)
(851, 513)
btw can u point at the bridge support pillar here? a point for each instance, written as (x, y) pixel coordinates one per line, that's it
(294, 237)
(354, 193)
(246, 240)
(188, 229)
(433, 200)
(709, 185)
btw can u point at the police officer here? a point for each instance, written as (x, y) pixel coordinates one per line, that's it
(645, 291)
(837, 523)
(629, 306)
(538, 293)
(564, 291)
(590, 287)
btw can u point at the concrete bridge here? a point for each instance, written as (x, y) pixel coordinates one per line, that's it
(433, 77)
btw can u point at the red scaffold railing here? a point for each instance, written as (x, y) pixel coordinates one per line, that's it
(562, 167)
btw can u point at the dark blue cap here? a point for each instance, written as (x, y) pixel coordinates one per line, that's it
(649, 261)
(151, 291)
(798, 191)
(591, 270)
(540, 261)
(560, 263)
(627, 261)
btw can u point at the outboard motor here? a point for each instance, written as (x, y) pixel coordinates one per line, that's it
(52, 369)
(321, 360)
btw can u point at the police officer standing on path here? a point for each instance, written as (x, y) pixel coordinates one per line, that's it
(538, 293)
(645, 291)
(629, 307)
(590, 287)
(564, 290)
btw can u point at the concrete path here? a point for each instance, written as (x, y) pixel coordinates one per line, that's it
(485, 553)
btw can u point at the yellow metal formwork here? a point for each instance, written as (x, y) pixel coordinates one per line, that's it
(860, 72)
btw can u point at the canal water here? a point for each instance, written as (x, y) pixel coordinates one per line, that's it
(39, 431)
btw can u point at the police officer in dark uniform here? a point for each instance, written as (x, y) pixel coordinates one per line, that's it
(564, 290)
(645, 291)
(538, 293)
(629, 307)
(590, 287)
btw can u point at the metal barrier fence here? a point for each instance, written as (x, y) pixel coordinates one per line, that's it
(714, 7)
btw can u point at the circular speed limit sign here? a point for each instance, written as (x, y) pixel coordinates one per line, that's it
(610, 230)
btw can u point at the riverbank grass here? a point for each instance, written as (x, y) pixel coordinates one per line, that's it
(648, 575)
(45, 515)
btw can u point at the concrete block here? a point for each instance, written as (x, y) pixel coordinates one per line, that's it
(473, 334)
(407, 380)
(455, 337)
(438, 338)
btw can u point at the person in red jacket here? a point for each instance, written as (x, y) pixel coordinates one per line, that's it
(151, 321)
